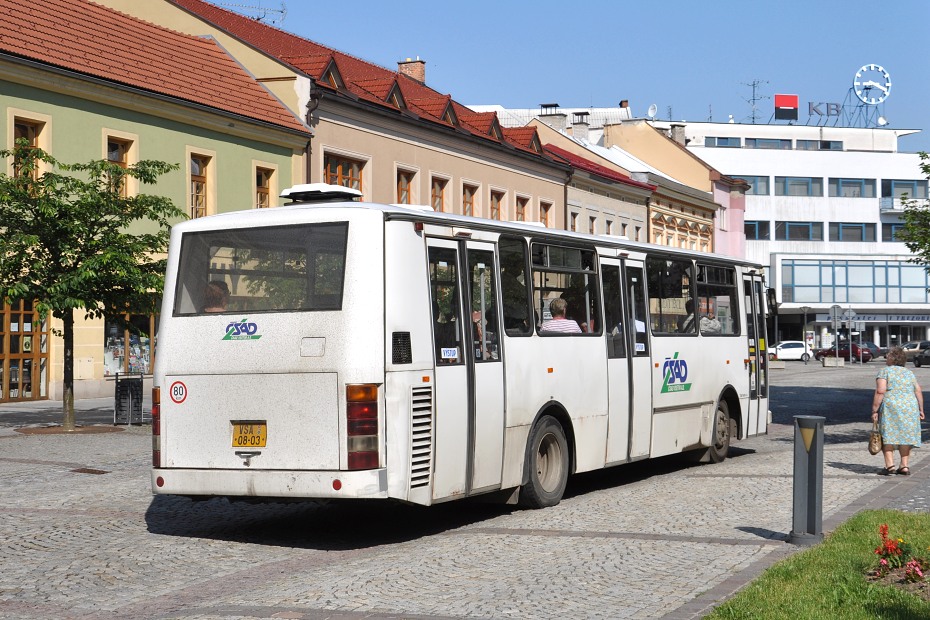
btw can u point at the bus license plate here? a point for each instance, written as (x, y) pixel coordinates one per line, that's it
(249, 434)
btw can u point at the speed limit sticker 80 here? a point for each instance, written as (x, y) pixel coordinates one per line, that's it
(178, 392)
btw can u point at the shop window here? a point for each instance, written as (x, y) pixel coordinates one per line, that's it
(128, 345)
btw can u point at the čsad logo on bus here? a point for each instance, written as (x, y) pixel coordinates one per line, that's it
(243, 330)
(675, 373)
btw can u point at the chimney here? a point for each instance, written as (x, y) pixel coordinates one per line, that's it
(678, 134)
(550, 115)
(580, 126)
(415, 69)
(624, 103)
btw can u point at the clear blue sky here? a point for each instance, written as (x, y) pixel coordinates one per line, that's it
(696, 58)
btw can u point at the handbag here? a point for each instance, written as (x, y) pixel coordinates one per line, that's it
(875, 439)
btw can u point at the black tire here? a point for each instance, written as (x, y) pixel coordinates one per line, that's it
(917, 362)
(546, 465)
(720, 445)
(805, 357)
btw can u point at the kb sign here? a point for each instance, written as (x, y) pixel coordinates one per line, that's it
(824, 109)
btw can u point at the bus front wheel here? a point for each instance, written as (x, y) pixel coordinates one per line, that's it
(547, 465)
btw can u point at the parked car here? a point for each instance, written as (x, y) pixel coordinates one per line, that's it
(846, 351)
(793, 350)
(911, 349)
(922, 358)
(876, 350)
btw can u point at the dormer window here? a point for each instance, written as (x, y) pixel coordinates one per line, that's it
(331, 76)
(396, 98)
(449, 116)
(496, 130)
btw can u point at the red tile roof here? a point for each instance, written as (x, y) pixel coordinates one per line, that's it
(595, 168)
(87, 38)
(360, 76)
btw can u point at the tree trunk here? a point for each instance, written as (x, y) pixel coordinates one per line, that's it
(67, 393)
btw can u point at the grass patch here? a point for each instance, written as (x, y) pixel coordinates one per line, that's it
(830, 579)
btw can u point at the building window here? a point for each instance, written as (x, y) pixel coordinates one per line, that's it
(819, 145)
(198, 196)
(758, 186)
(798, 186)
(623, 226)
(438, 194)
(118, 155)
(721, 142)
(343, 171)
(840, 231)
(263, 188)
(404, 187)
(799, 231)
(637, 230)
(592, 225)
(497, 205)
(609, 227)
(468, 199)
(767, 143)
(521, 209)
(851, 188)
(757, 231)
(896, 188)
(29, 131)
(853, 281)
(544, 208)
(574, 223)
(890, 232)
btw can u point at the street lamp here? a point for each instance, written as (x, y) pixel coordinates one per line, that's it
(805, 310)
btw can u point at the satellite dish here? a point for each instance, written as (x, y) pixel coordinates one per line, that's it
(882, 121)
(651, 113)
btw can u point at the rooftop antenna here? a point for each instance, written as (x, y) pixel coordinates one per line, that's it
(756, 97)
(669, 110)
(710, 113)
(651, 112)
(259, 13)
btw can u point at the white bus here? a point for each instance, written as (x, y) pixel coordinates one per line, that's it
(337, 349)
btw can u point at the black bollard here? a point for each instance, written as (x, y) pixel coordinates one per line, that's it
(808, 480)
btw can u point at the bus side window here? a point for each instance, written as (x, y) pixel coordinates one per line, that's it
(444, 297)
(483, 305)
(670, 295)
(514, 290)
(717, 298)
(637, 300)
(613, 312)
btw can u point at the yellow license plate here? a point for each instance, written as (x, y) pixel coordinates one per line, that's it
(249, 434)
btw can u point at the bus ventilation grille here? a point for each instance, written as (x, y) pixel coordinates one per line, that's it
(421, 436)
(400, 348)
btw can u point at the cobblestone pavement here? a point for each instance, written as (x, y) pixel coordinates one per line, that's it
(83, 538)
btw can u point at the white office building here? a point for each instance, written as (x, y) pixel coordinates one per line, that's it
(823, 214)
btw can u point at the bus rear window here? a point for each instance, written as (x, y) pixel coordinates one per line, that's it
(273, 269)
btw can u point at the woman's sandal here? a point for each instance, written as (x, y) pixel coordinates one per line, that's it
(904, 471)
(887, 471)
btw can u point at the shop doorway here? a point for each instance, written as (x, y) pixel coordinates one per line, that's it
(24, 343)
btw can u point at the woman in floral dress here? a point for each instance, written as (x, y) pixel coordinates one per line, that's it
(898, 396)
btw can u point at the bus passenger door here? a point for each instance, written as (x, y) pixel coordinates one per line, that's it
(634, 276)
(628, 374)
(451, 394)
(486, 373)
(469, 390)
(756, 356)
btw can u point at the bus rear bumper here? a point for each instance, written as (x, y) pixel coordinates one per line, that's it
(369, 483)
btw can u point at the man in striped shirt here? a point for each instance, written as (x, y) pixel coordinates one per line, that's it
(558, 324)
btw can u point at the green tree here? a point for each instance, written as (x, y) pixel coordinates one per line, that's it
(66, 242)
(916, 218)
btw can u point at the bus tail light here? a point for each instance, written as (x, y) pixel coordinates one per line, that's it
(362, 426)
(156, 427)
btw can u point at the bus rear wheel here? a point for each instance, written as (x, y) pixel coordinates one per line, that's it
(547, 465)
(721, 434)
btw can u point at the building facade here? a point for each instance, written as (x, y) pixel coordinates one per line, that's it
(82, 98)
(823, 213)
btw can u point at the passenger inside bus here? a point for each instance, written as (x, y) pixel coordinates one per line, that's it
(558, 323)
(709, 324)
(215, 296)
